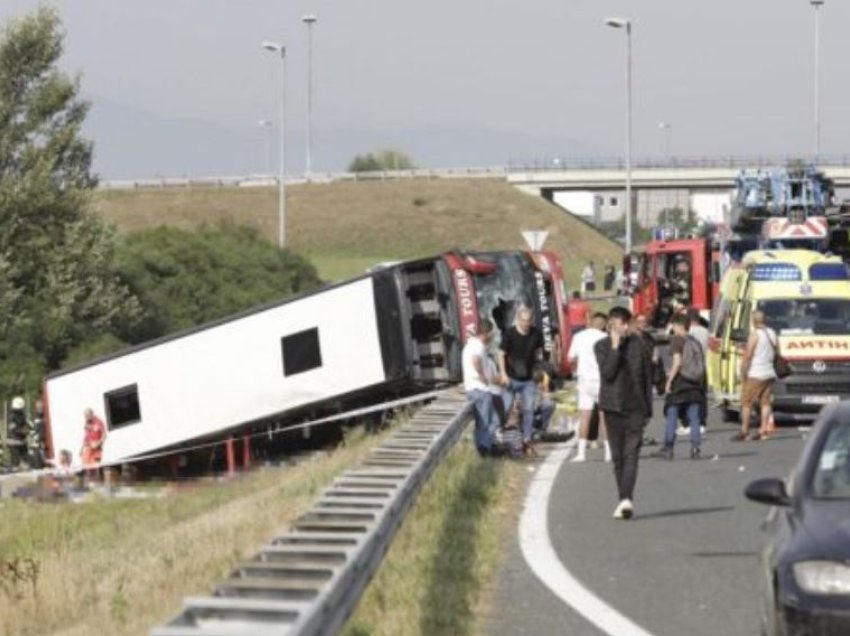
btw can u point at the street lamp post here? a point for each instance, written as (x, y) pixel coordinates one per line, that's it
(622, 23)
(275, 47)
(817, 4)
(666, 130)
(265, 123)
(309, 20)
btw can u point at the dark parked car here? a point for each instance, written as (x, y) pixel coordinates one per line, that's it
(807, 562)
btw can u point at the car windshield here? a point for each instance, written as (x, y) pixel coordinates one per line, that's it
(831, 479)
(808, 316)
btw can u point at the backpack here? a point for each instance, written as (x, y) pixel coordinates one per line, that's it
(693, 360)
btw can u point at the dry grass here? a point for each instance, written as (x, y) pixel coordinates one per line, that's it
(119, 567)
(435, 577)
(346, 226)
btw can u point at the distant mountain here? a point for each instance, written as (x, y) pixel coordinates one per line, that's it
(131, 143)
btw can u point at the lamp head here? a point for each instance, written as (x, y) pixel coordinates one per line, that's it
(617, 23)
(309, 19)
(274, 47)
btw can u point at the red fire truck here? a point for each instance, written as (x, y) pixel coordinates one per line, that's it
(665, 273)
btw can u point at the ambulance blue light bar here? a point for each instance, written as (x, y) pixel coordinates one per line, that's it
(775, 272)
(829, 271)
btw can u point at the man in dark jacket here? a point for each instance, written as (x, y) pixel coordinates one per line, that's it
(625, 397)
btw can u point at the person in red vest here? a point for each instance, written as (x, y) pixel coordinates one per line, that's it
(578, 312)
(93, 439)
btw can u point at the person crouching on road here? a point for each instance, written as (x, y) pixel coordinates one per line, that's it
(522, 347)
(759, 376)
(474, 360)
(625, 398)
(685, 389)
(582, 353)
(93, 438)
(544, 405)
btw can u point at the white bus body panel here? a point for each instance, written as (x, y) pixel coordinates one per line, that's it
(224, 375)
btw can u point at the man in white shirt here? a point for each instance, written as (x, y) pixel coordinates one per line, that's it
(588, 278)
(582, 353)
(476, 383)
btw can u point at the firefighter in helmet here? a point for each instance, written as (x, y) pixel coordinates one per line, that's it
(681, 284)
(17, 433)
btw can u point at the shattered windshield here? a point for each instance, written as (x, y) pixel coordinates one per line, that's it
(514, 284)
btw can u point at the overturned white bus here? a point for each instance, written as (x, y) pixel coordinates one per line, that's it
(395, 331)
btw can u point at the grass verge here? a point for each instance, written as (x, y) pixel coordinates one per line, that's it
(120, 566)
(347, 226)
(445, 555)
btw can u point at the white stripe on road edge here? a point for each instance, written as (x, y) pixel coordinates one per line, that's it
(544, 562)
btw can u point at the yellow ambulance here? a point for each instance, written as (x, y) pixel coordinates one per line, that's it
(805, 296)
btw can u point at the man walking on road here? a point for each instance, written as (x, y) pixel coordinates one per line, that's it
(522, 347)
(685, 390)
(625, 398)
(477, 386)
(582, 352)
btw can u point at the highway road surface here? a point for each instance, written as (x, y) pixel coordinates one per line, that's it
(688, 563)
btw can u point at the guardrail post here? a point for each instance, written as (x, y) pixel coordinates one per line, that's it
(246, 451)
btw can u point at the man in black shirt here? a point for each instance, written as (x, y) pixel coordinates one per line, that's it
(521, 348)
(625, 396)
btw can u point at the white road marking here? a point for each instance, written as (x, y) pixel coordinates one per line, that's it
(541, 557)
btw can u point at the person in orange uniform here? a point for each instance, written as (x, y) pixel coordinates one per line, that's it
(93, 439)
(578, 312)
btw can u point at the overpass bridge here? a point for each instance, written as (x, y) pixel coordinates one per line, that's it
(544, 178)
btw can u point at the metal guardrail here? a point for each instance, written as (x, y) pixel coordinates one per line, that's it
(308, 580)
(543, 164)
(259, 180)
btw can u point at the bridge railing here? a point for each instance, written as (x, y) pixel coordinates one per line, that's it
(618, 163)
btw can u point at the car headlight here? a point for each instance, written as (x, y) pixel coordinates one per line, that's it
(822, 577)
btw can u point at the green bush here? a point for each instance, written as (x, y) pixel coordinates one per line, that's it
(387, 159)
(184, 279)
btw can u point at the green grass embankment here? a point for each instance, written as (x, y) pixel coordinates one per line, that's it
(118, 567)
(345, 227)
(445, 556)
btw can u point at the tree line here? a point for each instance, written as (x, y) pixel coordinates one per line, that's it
(70, 287)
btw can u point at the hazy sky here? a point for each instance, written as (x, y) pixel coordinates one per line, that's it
(730, 76)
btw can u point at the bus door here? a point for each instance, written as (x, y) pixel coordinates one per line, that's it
(734, 343)
(716, 350)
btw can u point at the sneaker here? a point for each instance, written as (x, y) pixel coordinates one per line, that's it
(702, 430)
(579, 458)
(618, 511)
(608, 457)
(696, 453)
(665, 452)
(627, 510)
(683, 431)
